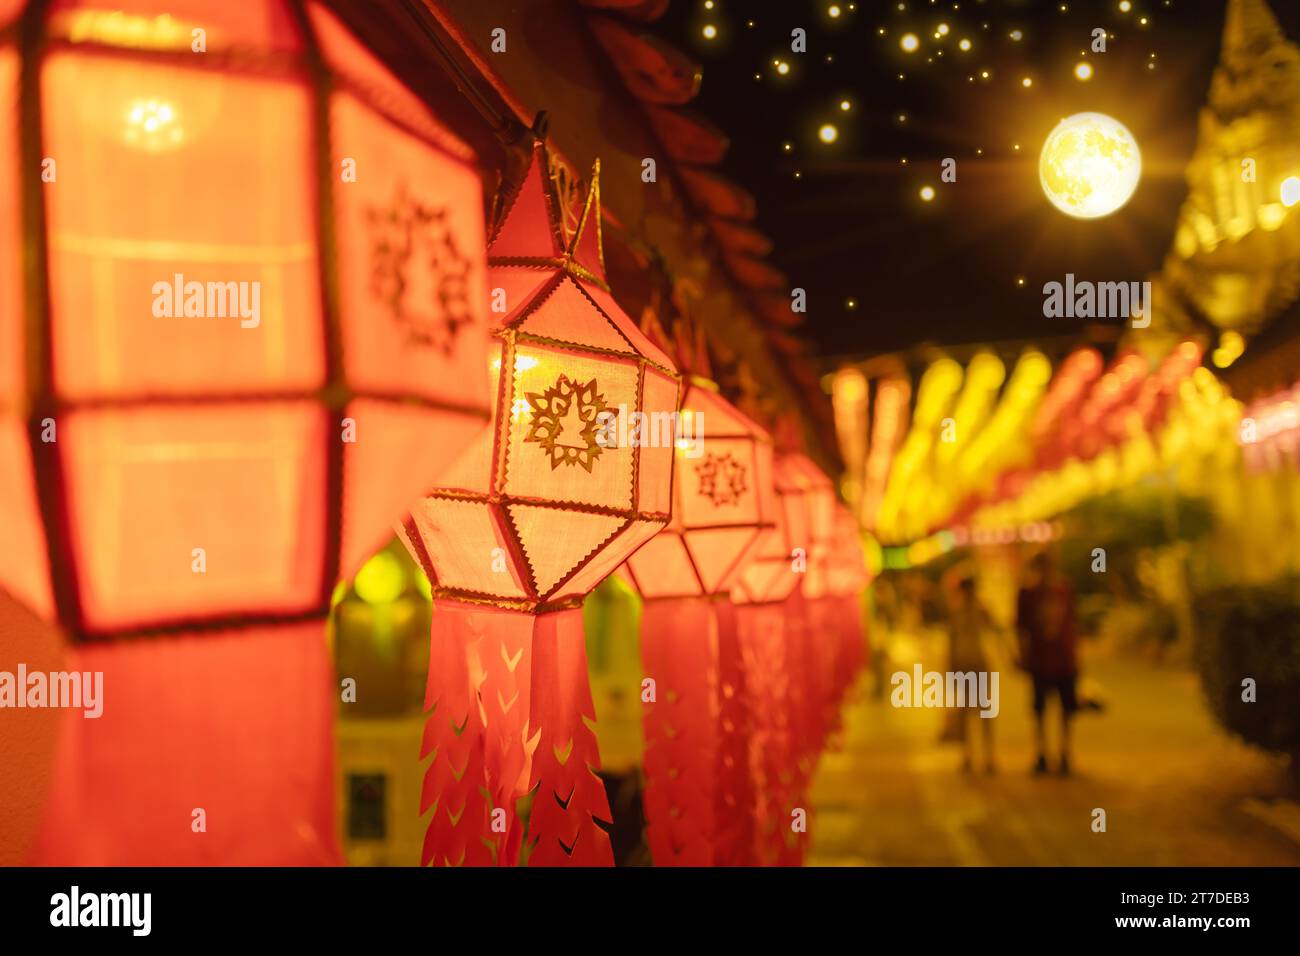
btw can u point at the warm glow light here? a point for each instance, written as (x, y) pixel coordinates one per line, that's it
(1231, 345)
(1125, 6)
(828, 133)
(927, 193)
(845, 105)
(1027, 82)
(522, 363)
(116, 28)
(909, 42)
(1090, 165)
(1083, 71)
(1290, 191)
(833, 10)
(381, 580)
(782, 67)
(942, 29)
(151, 125)
(710, 31)
(963, 45)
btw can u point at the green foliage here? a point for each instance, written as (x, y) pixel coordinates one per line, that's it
(1124, 523)
(1253, 631)
(1144, 516)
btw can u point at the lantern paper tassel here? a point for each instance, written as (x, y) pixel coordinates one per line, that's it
(836, 625)
(803, 712)
(495, 650)
(760, 629)
(698, 800)
(569, 798)
(678, 651)
(455, 783)
(212, 749)
(733, 806)
(852, 641)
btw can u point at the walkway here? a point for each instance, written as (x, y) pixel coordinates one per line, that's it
(1176, 789)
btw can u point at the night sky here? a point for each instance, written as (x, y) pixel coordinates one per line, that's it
(847, 217)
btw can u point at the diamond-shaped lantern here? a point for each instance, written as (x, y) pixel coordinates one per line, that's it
(722, 501)
(241, 277)
(574, 475)
(833, 590)
(776, 567)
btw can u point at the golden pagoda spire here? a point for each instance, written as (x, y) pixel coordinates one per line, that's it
(1235, 259)
(1257, 66)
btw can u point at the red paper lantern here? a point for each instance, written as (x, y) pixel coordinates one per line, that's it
(810, 650)
(833, 591)
(780, 558)
(698, 794)
(821, 500)
(241, 274)
(561, 489)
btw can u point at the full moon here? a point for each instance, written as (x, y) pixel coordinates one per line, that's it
(1090, 165)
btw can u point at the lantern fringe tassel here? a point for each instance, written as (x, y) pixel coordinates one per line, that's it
(679, 652)
(456, 783)
(734, 787)
(514, 699)
(761, 630)
(568, 798)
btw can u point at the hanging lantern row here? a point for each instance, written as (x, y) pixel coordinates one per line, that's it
(706, 517)
(1188, 416)
(227, 369)
(965, 452)
(698, 790)
(1192, 442)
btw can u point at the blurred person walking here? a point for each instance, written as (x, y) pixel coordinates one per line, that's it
(968, 620)
(1048, 630)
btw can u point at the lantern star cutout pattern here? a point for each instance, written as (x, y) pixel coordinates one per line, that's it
(418, 271)
(722, 479)
(545, 506)
(568, 422)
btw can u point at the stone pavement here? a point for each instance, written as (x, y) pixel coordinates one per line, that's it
(1176, 789)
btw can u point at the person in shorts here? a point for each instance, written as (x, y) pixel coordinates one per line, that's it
(1047, 628)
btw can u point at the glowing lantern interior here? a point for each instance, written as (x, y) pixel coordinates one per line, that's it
(722, 501)
(780, 559)
(235, 339)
